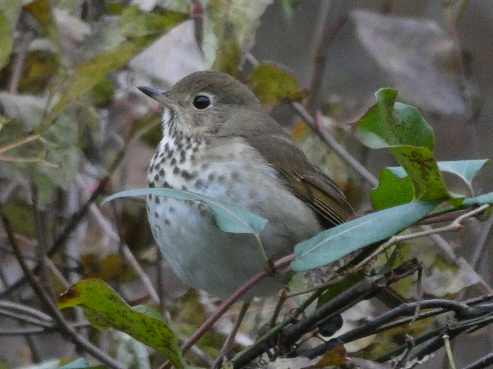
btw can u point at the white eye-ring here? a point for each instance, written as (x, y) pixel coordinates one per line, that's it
(201, 102)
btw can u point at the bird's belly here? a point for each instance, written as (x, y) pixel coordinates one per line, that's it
(202, 255)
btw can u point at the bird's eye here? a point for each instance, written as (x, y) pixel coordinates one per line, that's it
(201, 102)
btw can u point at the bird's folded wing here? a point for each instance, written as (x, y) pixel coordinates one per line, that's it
(305, 180)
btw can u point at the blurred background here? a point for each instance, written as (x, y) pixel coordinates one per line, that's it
(74, 129)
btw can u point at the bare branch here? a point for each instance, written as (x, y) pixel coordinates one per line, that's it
(50, 306)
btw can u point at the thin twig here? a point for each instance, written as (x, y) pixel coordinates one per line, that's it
(232, 299)
(448, 349)
(39, 330)
(482, 363)
(394, 240)
(25, 140)
(25, 318)
(74, 220)
(49, 304)
(429, 313)
(20, 58)
(56, 272)
(288, 332)
(141, 273)
(264, 343)
(24, 309)
(221, 310)
(42, 243)
(324, 39)
(22, 331)
(461, 74)
(419, 293)
(225, 350)
(334, 145)
(129, 256)
(320, 61)
(483, 237)
(402, 361)
(160, 281)
(463, 311)
(283, 295)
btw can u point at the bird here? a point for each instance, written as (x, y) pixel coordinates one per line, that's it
(219, 141)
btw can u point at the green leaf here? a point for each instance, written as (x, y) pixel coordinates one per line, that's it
(229, 218)
(89, 74)
(136, 23)
(334, 243)
(392, 191)
(6, 40)
(273, 85)
(422, 169)
(234, 23)
(389, 123)
(402, 129)
(21, 219)
(104, 306)
(464, 169)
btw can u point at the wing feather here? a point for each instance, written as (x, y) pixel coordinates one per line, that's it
(305, 180)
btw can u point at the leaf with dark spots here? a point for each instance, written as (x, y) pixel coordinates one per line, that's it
(105, 309)
(402, 129)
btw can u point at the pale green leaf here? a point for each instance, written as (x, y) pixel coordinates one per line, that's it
(229, 218)
(479, 200)
(334, 243)
(79, 363)
(464, 169)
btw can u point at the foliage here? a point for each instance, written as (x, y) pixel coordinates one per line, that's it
(105, 309)
(74, 129)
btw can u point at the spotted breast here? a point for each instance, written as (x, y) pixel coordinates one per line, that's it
(228, 169)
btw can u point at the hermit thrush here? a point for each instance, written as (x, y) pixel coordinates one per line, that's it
(218, 141)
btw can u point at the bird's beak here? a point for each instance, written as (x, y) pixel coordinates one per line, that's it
(157, 94)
